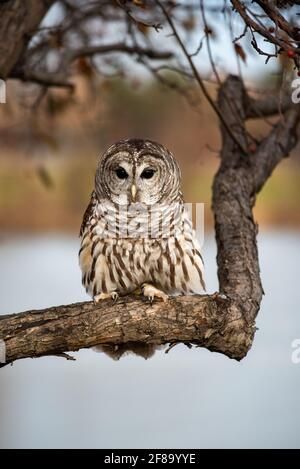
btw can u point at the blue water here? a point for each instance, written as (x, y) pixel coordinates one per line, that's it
(188, 398)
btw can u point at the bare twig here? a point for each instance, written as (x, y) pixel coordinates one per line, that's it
(263, 30)
(41, 78)
(89, 51)
(274, 14)
(207, 37)
(198, 77)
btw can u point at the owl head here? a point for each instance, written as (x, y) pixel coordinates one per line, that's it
(139, 171)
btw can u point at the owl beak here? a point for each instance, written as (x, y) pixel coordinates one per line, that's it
(133, 192)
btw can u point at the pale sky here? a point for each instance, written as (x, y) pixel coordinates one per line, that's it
(222, 48)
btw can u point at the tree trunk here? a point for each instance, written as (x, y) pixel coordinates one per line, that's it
(19, 19)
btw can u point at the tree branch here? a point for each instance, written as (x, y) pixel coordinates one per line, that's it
(236, 184)
(206, 321)
(18, 19)
(89, 51)
(275, 146)
(268, 106)
(264, 31)
(278, 19)
(197, 75)
(59, 78)
(41, 78)
(233, 199)
(222, 323)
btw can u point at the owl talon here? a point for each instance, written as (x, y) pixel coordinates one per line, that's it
(151, 292)
(104, 296)
(114, 296)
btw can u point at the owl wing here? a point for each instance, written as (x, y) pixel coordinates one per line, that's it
(190, 271)
(88, 213)
(86, 245)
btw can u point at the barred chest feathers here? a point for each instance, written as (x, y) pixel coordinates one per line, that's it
(111, 263)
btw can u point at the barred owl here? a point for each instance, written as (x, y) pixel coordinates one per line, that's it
(136, 233)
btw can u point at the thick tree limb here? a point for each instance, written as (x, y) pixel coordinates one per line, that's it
(233, 199)
(204, 321)
(236, 184)
(267, 107)
(18, 20)
(276, 146)
(222, 323)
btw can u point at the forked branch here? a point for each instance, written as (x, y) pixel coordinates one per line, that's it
(222, 322)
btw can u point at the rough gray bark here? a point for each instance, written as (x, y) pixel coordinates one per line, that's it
(239, 179)
(211, 322)
(19, 19)
(220, 323)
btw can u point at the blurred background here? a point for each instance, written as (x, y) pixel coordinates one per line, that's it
(49, 155)
(50, 145)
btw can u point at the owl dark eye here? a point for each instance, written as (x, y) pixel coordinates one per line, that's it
(121, 173)
(147, 173)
